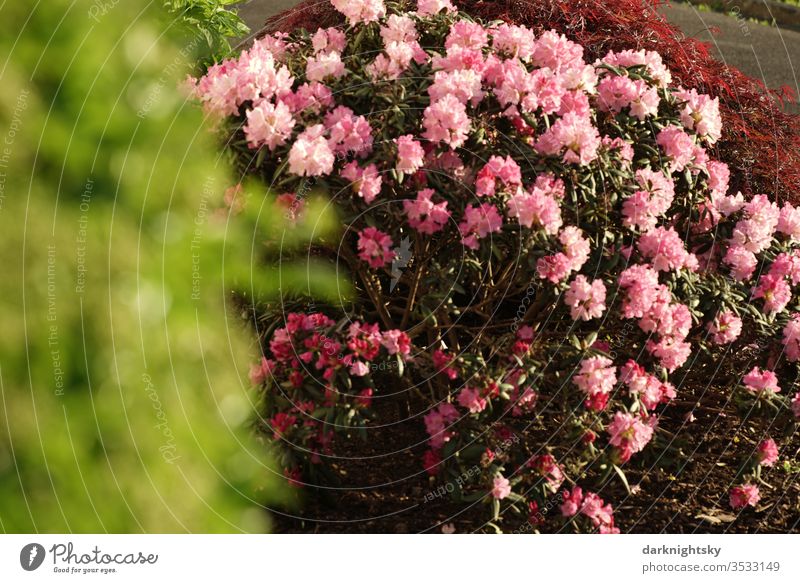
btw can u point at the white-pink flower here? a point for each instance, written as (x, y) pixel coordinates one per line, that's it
(366, 182)
(310, 154)
(410, 155)
(596, 379)
(479, 222)
(269, 125)
(586, 300)
(791, 339)
(447, 121)
(501, 487)
(628, 434)
(744, 495)
(431, 7)
(360, 11)
(725, 328)
(761, 381)
(424, 215)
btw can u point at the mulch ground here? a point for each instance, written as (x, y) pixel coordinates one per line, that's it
(384, 490)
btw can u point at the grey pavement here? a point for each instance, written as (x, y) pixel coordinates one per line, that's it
(763, 52)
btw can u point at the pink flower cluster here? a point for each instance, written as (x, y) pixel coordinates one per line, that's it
(743, 496)
(645, 206)
(586, 300)
(596, 379)
(648, 388)
(556, 268)
(375, 247)
(629, 434)
(591, 506)
(761, 382)
(725, 328)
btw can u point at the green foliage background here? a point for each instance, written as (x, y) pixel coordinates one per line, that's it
(123, 368)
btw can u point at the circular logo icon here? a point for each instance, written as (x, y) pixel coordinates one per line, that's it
(31, 556)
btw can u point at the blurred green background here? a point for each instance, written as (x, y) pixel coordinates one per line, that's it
(124, 401)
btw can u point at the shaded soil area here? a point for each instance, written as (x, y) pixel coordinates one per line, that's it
(679, 484)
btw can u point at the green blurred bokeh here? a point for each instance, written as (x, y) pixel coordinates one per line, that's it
(123, 366)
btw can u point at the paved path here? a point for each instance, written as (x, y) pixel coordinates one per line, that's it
(766, 53)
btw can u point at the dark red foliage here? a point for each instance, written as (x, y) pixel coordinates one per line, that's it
(760, 143)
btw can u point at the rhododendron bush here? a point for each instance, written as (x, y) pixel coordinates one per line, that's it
(545, 249)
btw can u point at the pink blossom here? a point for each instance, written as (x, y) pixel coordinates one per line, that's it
(348, 132)
(396, 342)
(701, 114)
(328, 39)
(718, 176)
(767, 452)
(601, 514)
(314, 97)
(556, 52)
(629, 434)
(513, 41)
(501, 487)
(575, 136)
(437, 422)
(359, 369)
(727, 205)
(325, 66)
(366, 182)
(665, 249)
(572, 501)
(467, 35)
(260, 371)
(471, 399)
(725, 328)
(672, 352)
(755, 231)
(643, 290)
(447, 121)
(586, 300)
(646, 205)
(651, 391)
(463, 84)
(479, 221)
(678, 147)
(744, 495)
(554, 267)
(791, 339)
(596, 380)
(310, 154)
(576, 247)
(504, 169)
(536, 208)
(775, 291)
(651, 59)
(410, 155)
(360, 11)
(761, 381)
(786, 265)
(424, 215)
(789, 222)
(375, 247)
(269, 125)
(741, 261)
(796, 405)
(399, 28)
(616, 92)
(667, 319)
